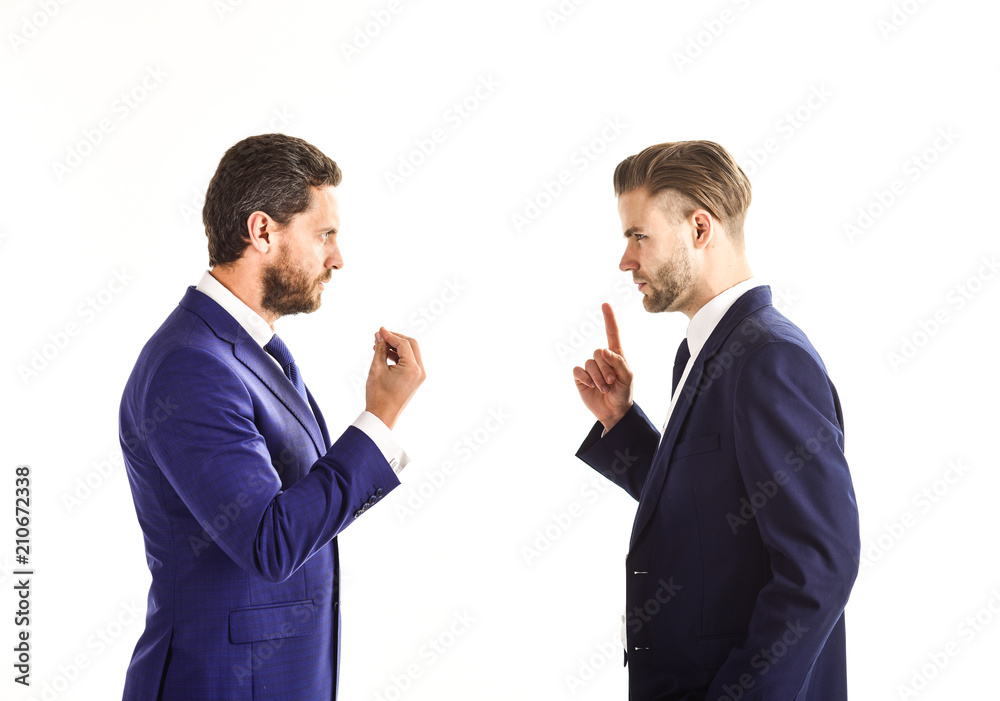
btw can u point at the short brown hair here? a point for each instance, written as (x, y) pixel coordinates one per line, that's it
(703, 173)
(271, 173)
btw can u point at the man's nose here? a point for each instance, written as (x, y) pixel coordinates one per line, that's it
(626, 263)
(334, 259)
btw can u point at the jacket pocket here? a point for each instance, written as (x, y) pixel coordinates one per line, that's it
(694, 446)
(270, 621)
(713, 650)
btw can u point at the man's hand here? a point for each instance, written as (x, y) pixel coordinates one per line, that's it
(390, 386)
(605, 383)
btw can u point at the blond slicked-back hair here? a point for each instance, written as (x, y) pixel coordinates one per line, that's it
(702, 173)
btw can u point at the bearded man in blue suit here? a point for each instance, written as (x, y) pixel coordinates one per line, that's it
(745, 544)
(238, 489)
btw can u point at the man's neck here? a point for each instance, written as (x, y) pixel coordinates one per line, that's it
(245, 291)
(710, 289)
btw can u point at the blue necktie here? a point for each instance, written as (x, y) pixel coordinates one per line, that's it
(680, 362)
(277, 348)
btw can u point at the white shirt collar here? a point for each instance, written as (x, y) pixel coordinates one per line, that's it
(705, 320)
(250, 320)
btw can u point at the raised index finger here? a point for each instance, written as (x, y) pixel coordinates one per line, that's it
(611, 326)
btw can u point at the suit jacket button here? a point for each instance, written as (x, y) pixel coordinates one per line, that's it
(372, 500)
(357, 514)
(378, 492)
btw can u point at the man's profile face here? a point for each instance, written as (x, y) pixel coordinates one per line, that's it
(306, 250)
(657, 251)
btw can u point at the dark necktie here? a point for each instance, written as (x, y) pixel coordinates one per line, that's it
(680, 362)
(277, 348)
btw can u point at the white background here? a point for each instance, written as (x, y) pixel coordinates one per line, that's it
(75, 214)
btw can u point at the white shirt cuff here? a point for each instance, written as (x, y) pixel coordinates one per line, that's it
(381, 435)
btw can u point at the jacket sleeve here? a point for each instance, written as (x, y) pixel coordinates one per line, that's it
(211, 452)
(790, 449)
(625, 454)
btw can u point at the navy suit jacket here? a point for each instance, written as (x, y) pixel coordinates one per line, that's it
(240, 495)
(746, 542)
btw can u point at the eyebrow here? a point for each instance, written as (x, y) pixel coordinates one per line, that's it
(328, 231)
(632, 230)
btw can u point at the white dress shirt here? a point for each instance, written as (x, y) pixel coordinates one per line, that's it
(261, 332)
(700, 327)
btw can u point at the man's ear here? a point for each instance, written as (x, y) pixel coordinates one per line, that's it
(259, 229)
(705, 228)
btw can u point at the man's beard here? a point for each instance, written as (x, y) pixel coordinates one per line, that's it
(669, 283)
(286, 289)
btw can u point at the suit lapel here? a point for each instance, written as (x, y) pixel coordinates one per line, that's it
(749, 302)
(319, 419)
(249, 353)
(257, 360)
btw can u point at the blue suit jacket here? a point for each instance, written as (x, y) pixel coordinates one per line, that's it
(746, 542)
(240, 496)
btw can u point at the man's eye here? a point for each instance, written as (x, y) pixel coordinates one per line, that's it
(639, 237)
